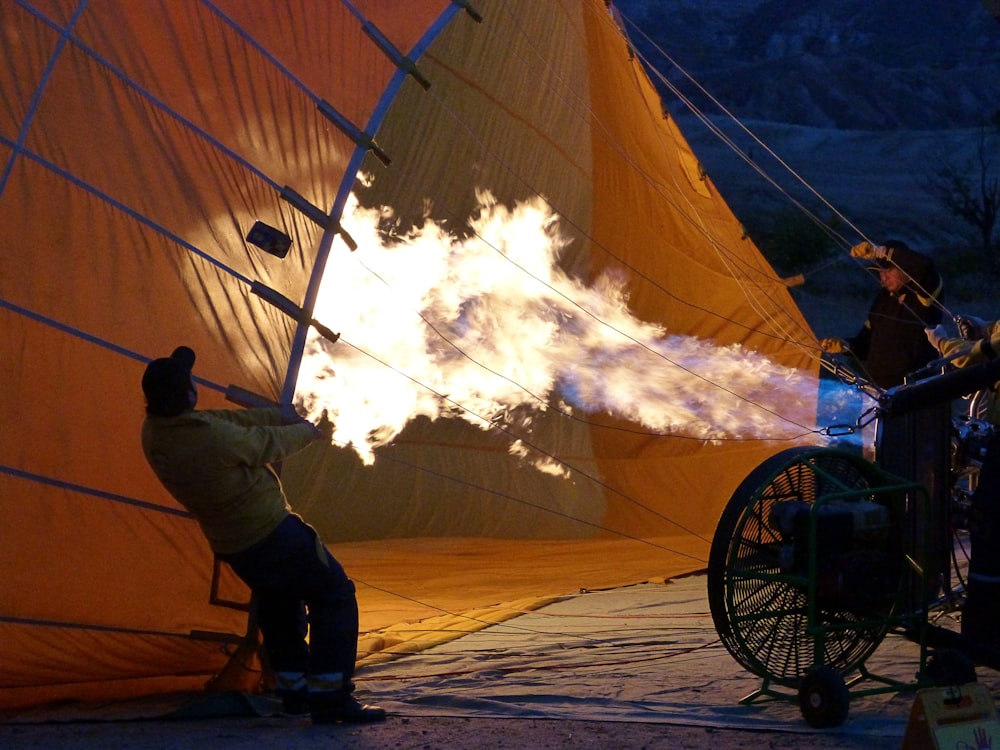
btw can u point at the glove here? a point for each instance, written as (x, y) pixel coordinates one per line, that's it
(970, 327)
(833, 346)
(868, 251)
(936, 335)
(325, 426)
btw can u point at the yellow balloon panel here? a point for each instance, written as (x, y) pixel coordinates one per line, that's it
(140, 141)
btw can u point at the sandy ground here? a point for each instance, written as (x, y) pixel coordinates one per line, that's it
(423, 733)
(653, 674)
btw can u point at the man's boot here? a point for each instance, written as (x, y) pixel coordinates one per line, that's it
(341, 707)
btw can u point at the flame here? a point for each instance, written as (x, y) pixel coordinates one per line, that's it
(486, 327)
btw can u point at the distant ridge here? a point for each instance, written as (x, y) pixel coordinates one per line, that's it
(849, 64)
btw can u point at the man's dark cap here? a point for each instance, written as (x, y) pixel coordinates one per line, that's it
(166, 382)
(898, 255)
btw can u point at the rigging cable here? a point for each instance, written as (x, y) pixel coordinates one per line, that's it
(706, 120)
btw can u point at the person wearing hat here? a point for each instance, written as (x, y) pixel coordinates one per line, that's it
(891, 344)
(217, 464)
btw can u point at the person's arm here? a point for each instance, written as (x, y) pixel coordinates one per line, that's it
(965, 352)
(256, 437)
(267, 416)
(259, 445)
(247, 417)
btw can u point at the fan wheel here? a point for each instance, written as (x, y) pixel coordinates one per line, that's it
(823, 698)
(760, 603)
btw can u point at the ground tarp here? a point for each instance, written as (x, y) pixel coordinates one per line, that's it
(646, 653)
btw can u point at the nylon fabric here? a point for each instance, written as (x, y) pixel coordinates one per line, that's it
(151, 137)
(141, 141)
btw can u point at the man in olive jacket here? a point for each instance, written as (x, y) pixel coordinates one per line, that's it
(217, 464)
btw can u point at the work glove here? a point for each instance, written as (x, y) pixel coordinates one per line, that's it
(325, 426)
(868, 251)
(833, 346)
(970, 327)
(936, 335)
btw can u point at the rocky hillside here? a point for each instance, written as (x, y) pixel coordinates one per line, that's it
(861, 99)
(849, 64)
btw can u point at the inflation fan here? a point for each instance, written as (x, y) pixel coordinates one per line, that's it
(820, 553)
(805, 572)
